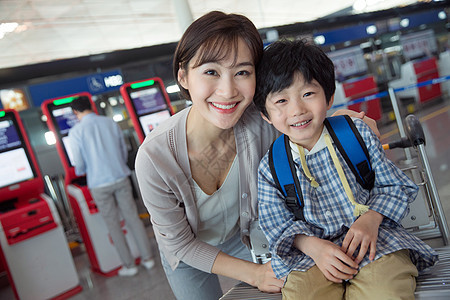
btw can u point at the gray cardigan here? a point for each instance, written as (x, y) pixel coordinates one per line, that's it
(163, 173)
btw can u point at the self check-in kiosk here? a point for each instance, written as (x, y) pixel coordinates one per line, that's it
(147, 103)
(102, 254)
(34, 249)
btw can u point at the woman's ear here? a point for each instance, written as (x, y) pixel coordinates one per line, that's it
(182, 78)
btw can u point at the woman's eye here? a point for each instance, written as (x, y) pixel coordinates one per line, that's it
(243, 73)
(211, 72)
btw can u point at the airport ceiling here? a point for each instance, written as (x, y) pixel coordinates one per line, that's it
(36, 31)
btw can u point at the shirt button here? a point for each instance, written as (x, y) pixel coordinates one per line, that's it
(328, 213)
(245, 214)
(244, 195)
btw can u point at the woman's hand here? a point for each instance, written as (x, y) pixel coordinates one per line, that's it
(334, 263)
(257, 275)
(360, 115)
(266, 281)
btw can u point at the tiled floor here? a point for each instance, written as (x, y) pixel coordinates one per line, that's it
(152, 284)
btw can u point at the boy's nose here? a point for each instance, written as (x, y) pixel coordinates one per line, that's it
(297, 108)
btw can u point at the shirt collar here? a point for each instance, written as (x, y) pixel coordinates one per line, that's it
(317, 147)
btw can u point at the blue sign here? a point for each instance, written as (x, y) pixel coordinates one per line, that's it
(94, 84)
(344, 34)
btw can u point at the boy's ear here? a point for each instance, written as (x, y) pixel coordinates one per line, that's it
(181, 75)
(265, 118)
(330, 104)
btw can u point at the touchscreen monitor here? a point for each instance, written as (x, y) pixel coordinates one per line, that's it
(150, 121)
(148, 100)
(148, 104)
(63, 120)
(15, 165)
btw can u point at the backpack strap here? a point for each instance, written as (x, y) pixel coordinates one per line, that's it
(357, 158)
(345, 136)
(283, 171)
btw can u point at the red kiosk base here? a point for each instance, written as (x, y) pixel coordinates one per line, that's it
(33, 246)
(100, 249)
(35, 252)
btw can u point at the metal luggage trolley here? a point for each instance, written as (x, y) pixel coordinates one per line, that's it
(433, 284)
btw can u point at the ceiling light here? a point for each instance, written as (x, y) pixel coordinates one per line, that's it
(359, 5)
(173, 89)
(319, 40)
(113, 101)
(371, 29)
(118, 117)
(50, 138)
(7, 28)
(404, 22)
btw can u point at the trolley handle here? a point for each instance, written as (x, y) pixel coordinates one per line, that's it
(403, 143)
(414, 133)
(414, 130)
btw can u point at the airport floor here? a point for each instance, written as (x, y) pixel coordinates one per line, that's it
(152, 284)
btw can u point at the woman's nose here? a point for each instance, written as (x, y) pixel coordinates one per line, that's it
(227, 88)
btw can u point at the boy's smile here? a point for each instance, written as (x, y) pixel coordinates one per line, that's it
(299, 111)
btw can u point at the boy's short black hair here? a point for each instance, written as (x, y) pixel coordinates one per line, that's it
(81, 104)
(282, 59)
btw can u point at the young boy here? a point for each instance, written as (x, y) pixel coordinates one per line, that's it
(350, 242)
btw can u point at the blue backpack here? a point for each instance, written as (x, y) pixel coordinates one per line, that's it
(349, 143)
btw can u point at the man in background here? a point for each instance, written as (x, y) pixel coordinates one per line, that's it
(100, 152)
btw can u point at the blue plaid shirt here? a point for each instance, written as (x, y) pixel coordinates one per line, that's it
(328, 211)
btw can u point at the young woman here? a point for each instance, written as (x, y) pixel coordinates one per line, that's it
(198, 170)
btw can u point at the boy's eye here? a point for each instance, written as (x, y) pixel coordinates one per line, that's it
(280, 101)
(307, 94)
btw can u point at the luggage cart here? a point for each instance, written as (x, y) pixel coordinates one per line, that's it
(434, 283)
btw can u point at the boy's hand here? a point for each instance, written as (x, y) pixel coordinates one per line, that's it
(363, 233)
(335, 265)
(361, 115)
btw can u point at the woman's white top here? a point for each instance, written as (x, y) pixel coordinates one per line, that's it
(219, 212)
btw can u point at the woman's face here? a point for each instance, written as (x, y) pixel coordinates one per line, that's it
(221, 90)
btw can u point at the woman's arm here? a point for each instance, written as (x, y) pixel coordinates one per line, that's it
(163, 185)
(260, 276)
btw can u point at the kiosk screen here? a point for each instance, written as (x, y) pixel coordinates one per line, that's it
(15, 166)
(149, 104)
(149, 122)
(148, 100)
(64, 119)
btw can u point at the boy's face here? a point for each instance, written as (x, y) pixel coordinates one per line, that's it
(299, 111)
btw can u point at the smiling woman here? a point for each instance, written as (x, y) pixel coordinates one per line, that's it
(202, 195)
